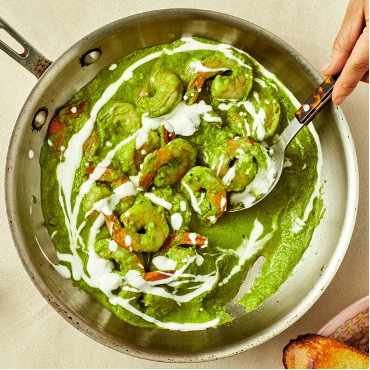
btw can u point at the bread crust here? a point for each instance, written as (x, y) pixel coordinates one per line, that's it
(312, 351)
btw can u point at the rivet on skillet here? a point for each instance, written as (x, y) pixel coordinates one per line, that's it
(90, 57)
(39, 119)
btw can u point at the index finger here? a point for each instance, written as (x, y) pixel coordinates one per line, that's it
(351, 29)
(354, 69)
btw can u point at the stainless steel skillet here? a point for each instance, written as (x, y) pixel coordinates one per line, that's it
(64, 77)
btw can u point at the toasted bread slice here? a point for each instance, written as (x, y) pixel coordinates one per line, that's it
(312, 351)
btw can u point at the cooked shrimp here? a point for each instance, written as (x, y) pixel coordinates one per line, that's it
(131, 158)
(118, 119)
(235, 86)
(184, 238)
(98, 192)
(168, 91)
(69, 120)
(206, 193)
(91, 145)
(57, 135)
(145, 228)
(237, 161)
(110, 175)
(255, 119)
(168, 165)
(167, 132)
(178, 247)
(127, 260)
(178, 212)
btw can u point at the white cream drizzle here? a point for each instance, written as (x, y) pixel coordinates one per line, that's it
(259, 117)
(197, 66)
(61, 269)
(287, 163)
(219, 165)
(113, 246)
(261, 82)
(195, 204)
(164, 263)
(208, 118)
(229, 176)
(193, 237)
(183, 206)
(157, 200)
(176, 221)
(185, 119)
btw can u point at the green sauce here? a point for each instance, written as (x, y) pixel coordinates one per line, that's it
(279, 228)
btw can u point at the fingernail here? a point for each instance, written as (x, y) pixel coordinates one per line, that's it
(326, 65)
(339, 99)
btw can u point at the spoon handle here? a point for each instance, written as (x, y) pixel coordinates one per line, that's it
(307, 111)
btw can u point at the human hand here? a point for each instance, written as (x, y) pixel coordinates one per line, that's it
(350, 52)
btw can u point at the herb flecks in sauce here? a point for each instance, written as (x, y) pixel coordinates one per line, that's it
(101, 177)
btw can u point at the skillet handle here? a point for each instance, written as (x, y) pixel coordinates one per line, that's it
(30, 58)
(313, 105)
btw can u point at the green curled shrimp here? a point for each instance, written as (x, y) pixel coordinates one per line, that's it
(176, 206)
(255, 118)
(97, 192)
(235, 86)
(168, 90)
(127, 260)
(236, 162)
(131, 158)
(124, 261)
(103, 188)
(118, 119)
(144, 228)
(167, 165)
(206, 193)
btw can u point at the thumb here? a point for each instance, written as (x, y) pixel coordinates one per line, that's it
(346, 39)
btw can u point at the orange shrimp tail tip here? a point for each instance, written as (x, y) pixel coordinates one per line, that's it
(186, 238)
(145, 181)
(158, 275)
(168, 135)
(113, 224)
(55, 127)
(90, 169)
(220, 200)
(109, 175)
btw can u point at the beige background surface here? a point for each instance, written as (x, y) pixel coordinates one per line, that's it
(32, 334)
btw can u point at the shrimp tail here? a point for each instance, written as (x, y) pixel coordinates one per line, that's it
(186, 238)
(109, 176)
(158, 275)
(119, 234)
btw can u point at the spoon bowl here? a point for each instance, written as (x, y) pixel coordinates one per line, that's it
(303, 116)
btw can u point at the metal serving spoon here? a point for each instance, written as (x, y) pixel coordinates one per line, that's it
(303, 116)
